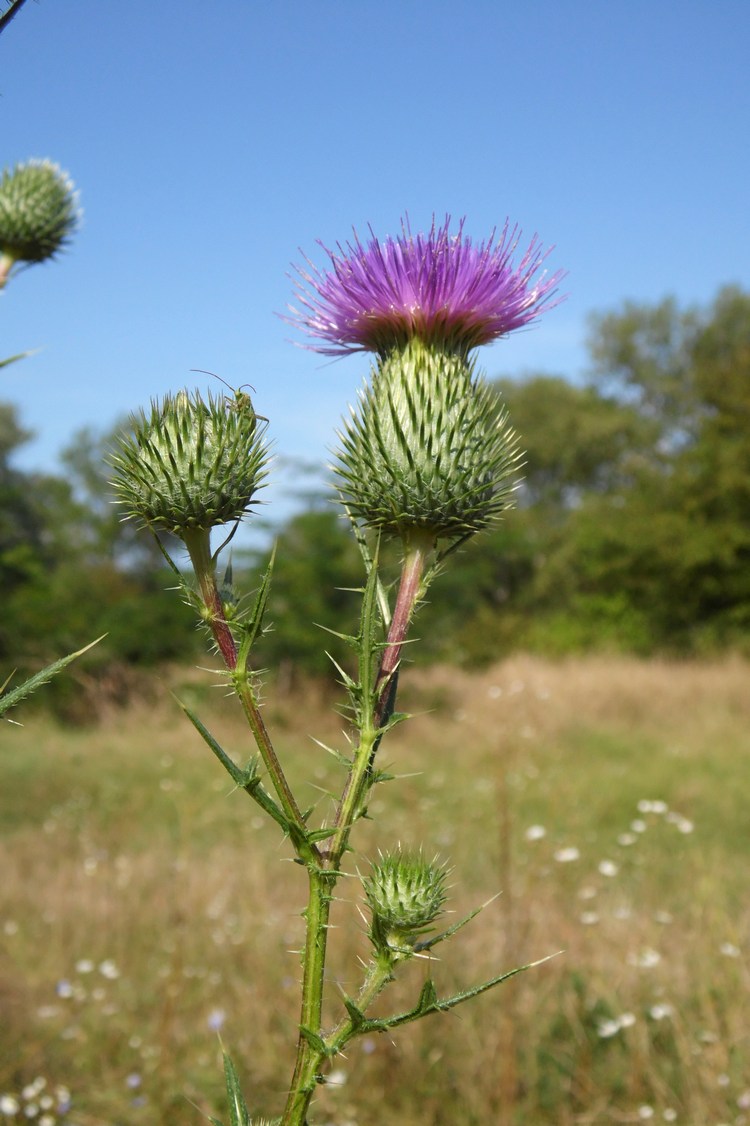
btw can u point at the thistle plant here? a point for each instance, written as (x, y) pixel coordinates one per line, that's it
(426, 459)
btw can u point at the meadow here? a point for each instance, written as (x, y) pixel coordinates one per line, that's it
(148, 914)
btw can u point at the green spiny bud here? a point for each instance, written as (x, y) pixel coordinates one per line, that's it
(38, 211)
(428, 448)
(191, 464)
(406, 894)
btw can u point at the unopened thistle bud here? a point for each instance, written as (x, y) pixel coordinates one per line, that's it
(428, 448)
(405, 894)
(191, 464)
(38, 212)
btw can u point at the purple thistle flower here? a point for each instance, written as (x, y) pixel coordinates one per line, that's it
(440, 287)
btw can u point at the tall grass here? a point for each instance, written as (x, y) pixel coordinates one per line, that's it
(148, 914)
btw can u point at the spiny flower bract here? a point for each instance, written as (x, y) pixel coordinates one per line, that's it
(441, 287)
(428, 448)
(406, 893)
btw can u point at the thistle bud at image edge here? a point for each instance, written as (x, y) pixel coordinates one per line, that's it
(39, 213)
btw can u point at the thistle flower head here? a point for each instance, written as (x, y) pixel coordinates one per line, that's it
(406, 894)
(38, 211)
(428, 448)
(440, 287)
(191, 464)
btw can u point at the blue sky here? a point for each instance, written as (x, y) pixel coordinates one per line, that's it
(211, 141)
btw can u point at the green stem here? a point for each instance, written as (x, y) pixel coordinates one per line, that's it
(379, 974)
(417, 547)
(198, 544)
(309, 1056)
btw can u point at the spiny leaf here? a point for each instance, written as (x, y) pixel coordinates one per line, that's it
(12, 359)
(356, 1015)
(235, 772)
(430, 942)
(370, 643)
(315, 1041)
(320, 835)
(430, 1003)
(246, 779)
(10, 699)
(239, 1115)
(254, 622)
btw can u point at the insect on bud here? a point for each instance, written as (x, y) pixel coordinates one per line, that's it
(191, 464)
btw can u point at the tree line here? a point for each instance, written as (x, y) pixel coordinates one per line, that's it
(631, 529)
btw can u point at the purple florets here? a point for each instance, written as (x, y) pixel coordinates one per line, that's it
(439, 287)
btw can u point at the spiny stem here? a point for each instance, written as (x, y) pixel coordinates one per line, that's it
(252, 712)
(412, 570)
(379, 974)
(309, 1058)
(204, 565)
(198, 544)
(417, 547)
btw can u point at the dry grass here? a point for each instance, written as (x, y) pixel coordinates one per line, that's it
(124, 847)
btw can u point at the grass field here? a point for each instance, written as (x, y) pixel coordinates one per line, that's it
(146, 910)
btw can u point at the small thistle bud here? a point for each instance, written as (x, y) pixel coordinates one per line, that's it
(405, 894)
(191, 464)
(38, 211)
(429, 447)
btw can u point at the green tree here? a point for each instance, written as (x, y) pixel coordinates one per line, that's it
(71, 568)
(675, 546)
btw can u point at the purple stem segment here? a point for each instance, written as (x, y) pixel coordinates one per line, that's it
(408, 592)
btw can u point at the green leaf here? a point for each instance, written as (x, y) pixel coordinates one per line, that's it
(239, 1115)
(430, 942)
(428, 998)
(429, 1002)
(316, 835)
(252, 626)
(246, 779)
(370, 561)
(236, 773)
(370, 638)
(316, 1042)
(10, 699)
(356, 1016)
(12, 359)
